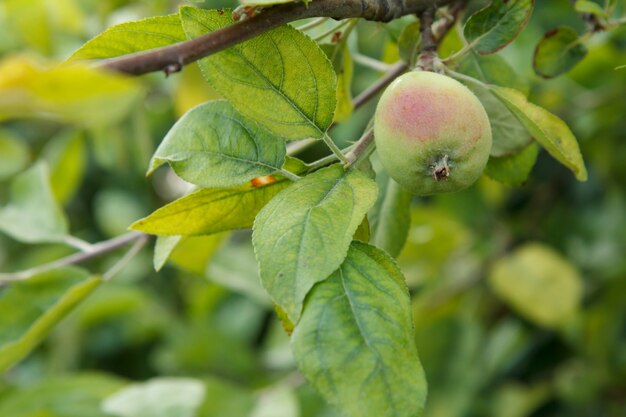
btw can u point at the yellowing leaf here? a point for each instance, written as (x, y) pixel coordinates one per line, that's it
(547, 129)
(76, 93)
(210, 210)
(539, 284)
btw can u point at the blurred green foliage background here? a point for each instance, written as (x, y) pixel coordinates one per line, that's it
(497, 334)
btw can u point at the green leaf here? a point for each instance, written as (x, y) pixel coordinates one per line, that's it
(354, 342)
(586, 6)
(547, 129)
(281, 78)
(303, 234)
(495, 26)
(558, 52)
(214, 146)
(509, 136)
(390, 218)
(49, 398)
(77, 93)
(32, 215)
(513, 170)
(30, 309)
(66, 157)
(539, 284)
(408, 43)
(363, 231)
(493, 69)
(14, 155)
(163, 397)
(131, 37)
(210, 210)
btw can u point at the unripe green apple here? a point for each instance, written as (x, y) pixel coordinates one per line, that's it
(432, 133)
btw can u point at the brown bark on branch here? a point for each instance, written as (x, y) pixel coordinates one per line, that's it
(173, 57)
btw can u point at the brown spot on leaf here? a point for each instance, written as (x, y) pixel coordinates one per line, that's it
(261, 181)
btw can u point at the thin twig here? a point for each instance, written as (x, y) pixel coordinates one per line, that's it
(312, 24)
(362, 148)
(370, 62)
(123, 261)
(77, 243)
(379, 85)
(334, 29)
(97, 250)
(443, 26)
(173, 57)
(334, 148)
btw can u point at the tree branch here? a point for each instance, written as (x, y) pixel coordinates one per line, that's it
(97, 250)
(173, 57)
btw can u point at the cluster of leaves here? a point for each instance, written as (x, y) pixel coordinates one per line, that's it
(345, 300)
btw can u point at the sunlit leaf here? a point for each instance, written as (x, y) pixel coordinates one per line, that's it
(76, 93)
(131, 37)
(32, 214)
(513, 170)
(210, 210)
(558, 52)
(547, 129)
(190, 253)
(214, 146)
(163, 397)
(539, 284)
(283, 70)
(30, 309)
(495, 26)
(291, 234)
(354, 342)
